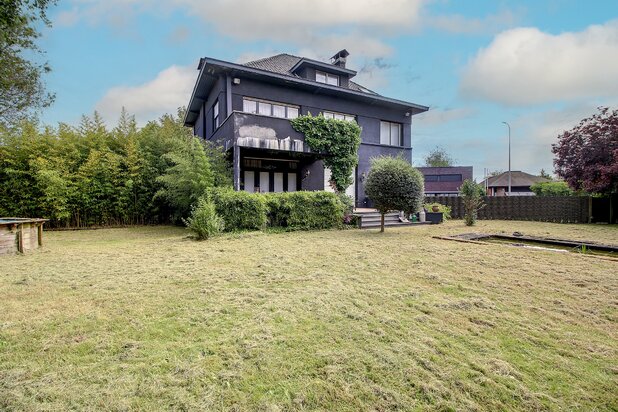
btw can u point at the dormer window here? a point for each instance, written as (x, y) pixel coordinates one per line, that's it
(322, 77)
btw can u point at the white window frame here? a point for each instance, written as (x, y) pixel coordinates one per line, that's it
(215, 114)
(343, 116)
(290, 111)
(327, 78)
(384, 123)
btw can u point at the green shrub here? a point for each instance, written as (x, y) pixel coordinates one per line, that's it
(240, 210)
(278, 209)
(314, 210)
(446, 210)
(292, 210)
(204, 220)
(348, 203)
(552, 189)
(472, 195)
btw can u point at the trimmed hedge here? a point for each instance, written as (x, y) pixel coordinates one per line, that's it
(291, 210)
(314, 210)
(240, 210)
(278, 206)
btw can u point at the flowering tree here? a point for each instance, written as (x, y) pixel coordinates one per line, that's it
(587, 155)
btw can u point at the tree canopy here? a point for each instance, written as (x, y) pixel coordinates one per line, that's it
(586, 156)
(439, 157)
(552, 189)
(22, 89)
(393, 184)
(89, 175)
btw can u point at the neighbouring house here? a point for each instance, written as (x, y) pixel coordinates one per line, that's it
(520, 183)
(444, 181)
(246, 108)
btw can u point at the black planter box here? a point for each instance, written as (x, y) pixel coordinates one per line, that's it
(434, 217)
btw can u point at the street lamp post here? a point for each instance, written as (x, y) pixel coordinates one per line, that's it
(509, 126)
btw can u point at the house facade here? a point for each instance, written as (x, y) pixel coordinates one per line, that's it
(445, 181)
(520, 184)
(247, 108)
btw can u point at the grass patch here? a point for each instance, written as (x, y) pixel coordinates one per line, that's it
(144, 318)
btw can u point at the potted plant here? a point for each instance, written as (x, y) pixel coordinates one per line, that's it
(437, 214)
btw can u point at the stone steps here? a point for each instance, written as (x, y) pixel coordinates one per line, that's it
(371, 220)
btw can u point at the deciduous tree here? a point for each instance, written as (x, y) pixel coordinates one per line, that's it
(22, 89)
(439, 157)
(586, 156)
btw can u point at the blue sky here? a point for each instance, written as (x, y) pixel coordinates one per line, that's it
(539, 65)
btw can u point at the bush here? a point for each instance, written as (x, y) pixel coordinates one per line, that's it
(348, 203)
(240, 210)
(393, 184)
(204, 220)
(446, 210)
(291, 210)
(278, 209)
(552, 189)
(472, 195)
(304, 210)
(314, 210)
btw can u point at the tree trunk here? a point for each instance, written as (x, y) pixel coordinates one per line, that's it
(382, 222)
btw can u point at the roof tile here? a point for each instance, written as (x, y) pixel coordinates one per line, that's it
(282, 64)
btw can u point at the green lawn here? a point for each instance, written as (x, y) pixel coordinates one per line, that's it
(147, 319)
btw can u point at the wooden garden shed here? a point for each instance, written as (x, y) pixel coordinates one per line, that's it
(20, 234)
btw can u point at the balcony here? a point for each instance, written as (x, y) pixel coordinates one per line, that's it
(260, 132)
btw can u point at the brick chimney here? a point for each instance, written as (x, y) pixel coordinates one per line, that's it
(340, 58)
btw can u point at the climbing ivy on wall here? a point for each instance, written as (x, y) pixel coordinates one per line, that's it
(337, 140)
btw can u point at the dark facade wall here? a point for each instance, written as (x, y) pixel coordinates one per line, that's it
(204, 125)
(365, 153)
(314, 103)
(368, 117)
(315, 179)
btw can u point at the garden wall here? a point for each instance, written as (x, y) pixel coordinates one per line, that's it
(566, 209)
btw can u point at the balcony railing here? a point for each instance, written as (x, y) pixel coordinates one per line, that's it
(260, 132)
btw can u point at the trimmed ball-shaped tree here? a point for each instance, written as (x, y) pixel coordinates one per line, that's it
(393, 184)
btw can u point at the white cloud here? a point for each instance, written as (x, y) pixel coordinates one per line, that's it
(169, 90)
(456, 23)
(525, 66)
(441, 116)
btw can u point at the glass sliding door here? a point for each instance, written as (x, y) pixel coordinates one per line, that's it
(249, 181)
(264, 182)
(291, 182)
(278, 182)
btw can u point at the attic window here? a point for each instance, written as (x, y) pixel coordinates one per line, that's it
(322, 77)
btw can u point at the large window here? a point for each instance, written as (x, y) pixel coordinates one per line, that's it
(391, 134)
(215, 114)
(339, 116)
(270, 108)
(322, 77)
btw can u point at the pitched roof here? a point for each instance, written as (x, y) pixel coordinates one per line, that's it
(283, 63)
(518, 178)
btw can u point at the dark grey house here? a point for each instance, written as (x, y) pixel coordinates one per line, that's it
(246, 108)
(445, 181)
